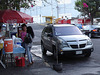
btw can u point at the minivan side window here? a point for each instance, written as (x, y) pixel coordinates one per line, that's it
(48, 30)
(44, 30)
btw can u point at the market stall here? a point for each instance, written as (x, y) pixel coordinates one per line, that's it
(11, 44)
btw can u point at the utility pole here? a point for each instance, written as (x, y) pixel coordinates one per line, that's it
(30, 11)
(40, 14)
(36, 14)
(52, 11)
(64, 8)
(57, 11)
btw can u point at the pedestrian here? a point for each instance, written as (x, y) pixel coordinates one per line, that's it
(23, 34)
(30, 31)
(29, 45)
(26, 32)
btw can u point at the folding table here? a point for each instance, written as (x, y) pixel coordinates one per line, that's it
(16, 50)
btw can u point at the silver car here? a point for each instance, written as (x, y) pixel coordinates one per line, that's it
(65, 39)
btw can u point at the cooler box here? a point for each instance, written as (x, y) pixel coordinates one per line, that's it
(8, 45)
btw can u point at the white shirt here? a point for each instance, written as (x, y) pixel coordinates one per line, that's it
(2, 33)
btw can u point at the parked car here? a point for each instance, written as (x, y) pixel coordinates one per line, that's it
(92, 30)
(65, 39)
(79, 26)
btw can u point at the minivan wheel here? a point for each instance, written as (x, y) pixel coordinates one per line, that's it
(44, 51)
(88, 54)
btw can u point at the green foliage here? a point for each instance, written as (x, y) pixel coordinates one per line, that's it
(25, 5)
(97, 15)
(14, 4)
(93, 7)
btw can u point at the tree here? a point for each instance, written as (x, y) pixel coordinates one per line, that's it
(88, 7)
(15, 4)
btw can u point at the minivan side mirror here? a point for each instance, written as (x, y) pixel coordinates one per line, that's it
(49, 35)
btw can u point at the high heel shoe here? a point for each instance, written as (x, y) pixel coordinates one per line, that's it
(29, 64)
(32, 62)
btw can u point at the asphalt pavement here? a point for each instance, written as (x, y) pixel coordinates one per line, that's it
(39, 67)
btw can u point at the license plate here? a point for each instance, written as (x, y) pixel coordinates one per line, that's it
(78, 52)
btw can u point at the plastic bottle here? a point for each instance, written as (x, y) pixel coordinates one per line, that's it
(1, 43)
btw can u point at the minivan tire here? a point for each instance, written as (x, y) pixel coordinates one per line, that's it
(88, 54)
(44, 51)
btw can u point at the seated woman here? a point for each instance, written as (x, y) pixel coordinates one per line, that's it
(2, 34)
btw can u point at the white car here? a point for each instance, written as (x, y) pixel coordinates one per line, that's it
(65, 39)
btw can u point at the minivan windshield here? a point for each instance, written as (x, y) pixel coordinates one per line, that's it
(67, 30)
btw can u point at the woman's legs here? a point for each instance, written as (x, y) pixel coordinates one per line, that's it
(28, 54)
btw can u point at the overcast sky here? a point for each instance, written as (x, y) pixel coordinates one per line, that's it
(65, 7)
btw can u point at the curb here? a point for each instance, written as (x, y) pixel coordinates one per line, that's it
(43, 60)
(43, 24)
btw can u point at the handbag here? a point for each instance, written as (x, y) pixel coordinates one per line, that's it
(28, 39)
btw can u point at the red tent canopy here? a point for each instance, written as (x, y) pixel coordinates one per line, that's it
(11, 16)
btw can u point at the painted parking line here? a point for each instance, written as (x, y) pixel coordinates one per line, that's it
(36, 49)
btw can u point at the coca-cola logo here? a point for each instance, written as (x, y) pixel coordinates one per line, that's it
(12, 21)
(28, 21)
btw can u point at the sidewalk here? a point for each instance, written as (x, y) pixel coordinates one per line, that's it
(38, 68)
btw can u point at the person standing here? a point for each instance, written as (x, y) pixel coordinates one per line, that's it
(30, 31)
(23, 34)
(29, 45)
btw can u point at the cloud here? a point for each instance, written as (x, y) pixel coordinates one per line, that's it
(64, 1)
(38, 2)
